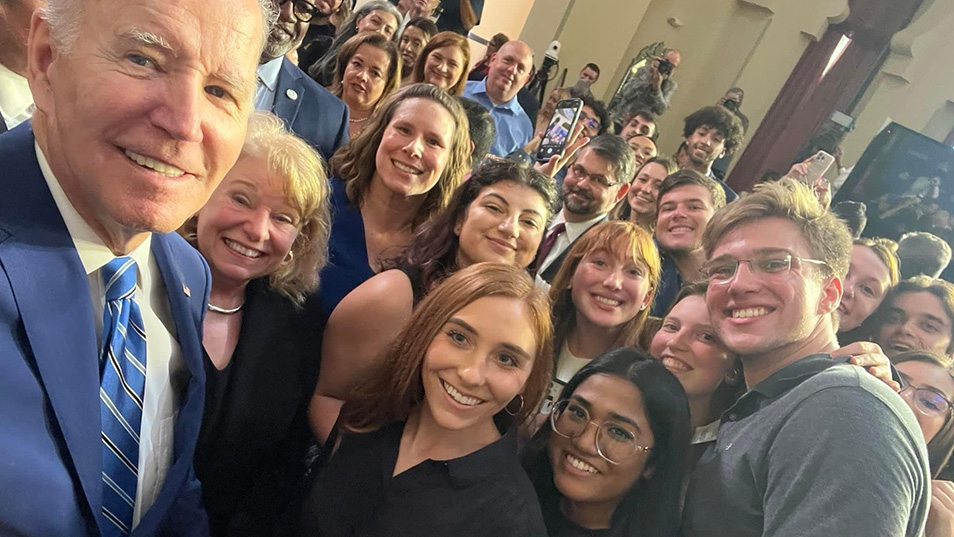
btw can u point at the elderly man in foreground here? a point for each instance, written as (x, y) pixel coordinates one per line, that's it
(142, 108)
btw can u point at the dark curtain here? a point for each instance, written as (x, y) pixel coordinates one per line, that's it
(807, 100)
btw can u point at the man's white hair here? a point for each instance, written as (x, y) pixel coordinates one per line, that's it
(65, 16)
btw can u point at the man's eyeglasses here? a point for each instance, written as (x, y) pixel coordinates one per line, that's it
(304, 11)
(615, 441)
(926, 400)
(721, 271)
(579, 172)
(589, 122)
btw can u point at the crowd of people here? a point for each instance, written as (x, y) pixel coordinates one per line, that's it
(331, 291)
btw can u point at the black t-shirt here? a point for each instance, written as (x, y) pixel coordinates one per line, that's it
(485, 493)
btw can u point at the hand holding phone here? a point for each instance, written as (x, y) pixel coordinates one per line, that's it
(557, 134)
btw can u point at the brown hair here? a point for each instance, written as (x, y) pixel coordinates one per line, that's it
(396, 388)
(942, 445)
(687, 177)
(624, 239)
(623, 211)
(441, 40)
(378, 41)
(301, 172)
(827, 237)
(943, 290)
(887, 251)
(355, 163)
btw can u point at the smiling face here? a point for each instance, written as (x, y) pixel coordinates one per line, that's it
(579, 472)
(504, 224)
(478, 363)
(378, 21)
(509, 70)
(867, 282)
(915, 321)
(365, 77)
(412, 42)
(684, 213)
(287, 33)
(643, 149)
(758, 313)
(139, 135)
(936, 379)
(645, 188)
(444, 67)
(687, 345)
(590, 120)
(248, 227)
(586, 189)
(415, 147)
(705, 145)
(608, 291)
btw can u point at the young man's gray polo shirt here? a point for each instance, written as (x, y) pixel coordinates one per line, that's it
(818, 448)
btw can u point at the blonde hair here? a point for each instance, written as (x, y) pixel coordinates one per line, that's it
(397, 388)
(305, 184)
(355, 163)
(441, 40)
(827, 237)
(623, 239)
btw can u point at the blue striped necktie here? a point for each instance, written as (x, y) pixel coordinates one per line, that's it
(122, 387)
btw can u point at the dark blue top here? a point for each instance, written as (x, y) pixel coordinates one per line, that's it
(347, 265)
(670, 282)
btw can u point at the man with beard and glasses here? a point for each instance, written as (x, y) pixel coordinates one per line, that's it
(687, 200)
(816, 446)
(711, 133)
(595, 181)
(309, 110)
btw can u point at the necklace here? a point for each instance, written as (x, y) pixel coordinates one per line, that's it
(217, 309)
(353, 120)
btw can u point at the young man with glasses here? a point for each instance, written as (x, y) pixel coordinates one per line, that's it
(815, 447)
(309, 110)
(595, 181)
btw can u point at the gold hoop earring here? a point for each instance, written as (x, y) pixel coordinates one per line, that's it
(289, 257)
(507, 408)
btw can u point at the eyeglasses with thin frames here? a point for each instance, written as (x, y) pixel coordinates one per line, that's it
(579, 173)
(926, 400)
(304, 11)
(722, 271)
(615, 441)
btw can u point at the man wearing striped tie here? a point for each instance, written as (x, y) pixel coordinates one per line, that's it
(141, 109)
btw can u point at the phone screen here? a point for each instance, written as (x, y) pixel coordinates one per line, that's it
(560, 128)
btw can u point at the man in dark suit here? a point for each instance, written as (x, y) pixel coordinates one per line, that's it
(595, 181)
(142, 107)
(309, 110)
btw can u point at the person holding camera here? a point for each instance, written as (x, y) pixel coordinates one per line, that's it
(731, 101)
(651, 88)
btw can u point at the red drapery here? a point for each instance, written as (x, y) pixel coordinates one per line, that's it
(807, 99)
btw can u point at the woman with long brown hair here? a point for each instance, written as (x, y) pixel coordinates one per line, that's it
(444, 62)
(428, 445)
(367, 71)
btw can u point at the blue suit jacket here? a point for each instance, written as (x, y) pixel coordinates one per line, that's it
(50, 449)
(314, 114)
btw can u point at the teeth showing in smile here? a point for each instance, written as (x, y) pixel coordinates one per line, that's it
(673, 363)
(607, 301)
(459, 397)
(580, 465)
(406, 169)
(155, 165)
(748, 312)
(680, 229)
(241, 249)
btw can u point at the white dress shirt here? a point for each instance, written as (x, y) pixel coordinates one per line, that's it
(16, 100)
(267, 84)
(166, 375)
(568, 237)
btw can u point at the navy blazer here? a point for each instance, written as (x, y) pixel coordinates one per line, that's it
(50, 448)
(310, 111)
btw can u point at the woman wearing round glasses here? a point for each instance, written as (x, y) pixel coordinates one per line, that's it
(928, 388)
(612, 457)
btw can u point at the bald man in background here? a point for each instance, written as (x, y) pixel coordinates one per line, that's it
(509, 70)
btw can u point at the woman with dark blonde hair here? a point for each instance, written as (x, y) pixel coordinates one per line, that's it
(873, 271)
(367, 71)
(401, 170)
(601, 297)
(639, 205)
(264, 233)
(444, 62)
(428, 446)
